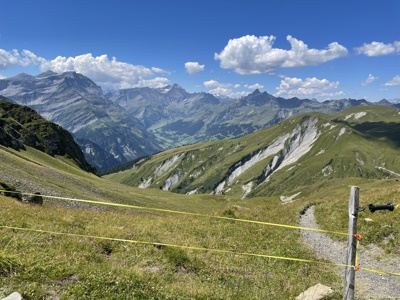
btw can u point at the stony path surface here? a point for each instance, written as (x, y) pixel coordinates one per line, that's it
(368, 285)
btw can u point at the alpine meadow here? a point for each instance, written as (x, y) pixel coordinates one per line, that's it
(199, 150)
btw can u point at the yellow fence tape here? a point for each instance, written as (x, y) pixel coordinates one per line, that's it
(182, 213)
(193, 248)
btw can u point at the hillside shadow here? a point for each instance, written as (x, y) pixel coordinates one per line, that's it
(378, 130)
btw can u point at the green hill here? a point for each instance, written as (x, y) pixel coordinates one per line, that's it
(280, 160)
(43, 265)
(21, 126)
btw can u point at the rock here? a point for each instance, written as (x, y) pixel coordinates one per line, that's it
(12, 191)
(13, 296)
(35, 199)
(315, 292)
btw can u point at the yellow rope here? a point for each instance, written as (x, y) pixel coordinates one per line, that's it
(181, 212)
(196, 248)
(171, 245)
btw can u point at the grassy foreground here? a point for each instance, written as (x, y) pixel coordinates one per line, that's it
(40, 265)
(48, 266)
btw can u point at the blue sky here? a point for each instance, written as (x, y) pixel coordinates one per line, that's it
(308, 49)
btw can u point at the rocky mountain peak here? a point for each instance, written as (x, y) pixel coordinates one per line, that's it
(22, 76)
(46, 74)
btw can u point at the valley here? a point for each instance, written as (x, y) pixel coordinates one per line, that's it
(281, 159)
(117, 126)
(85, 250)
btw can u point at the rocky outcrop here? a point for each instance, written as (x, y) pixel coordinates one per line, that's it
(299, 143)
(34, 199)
(21, 125)
(290, 148)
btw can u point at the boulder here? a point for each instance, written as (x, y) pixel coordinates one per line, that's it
(35, 199)
(12, 191)
(13, 296)
(316, 292)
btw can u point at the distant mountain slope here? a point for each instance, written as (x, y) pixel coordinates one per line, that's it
(21, 125)
(279, 160)
(173, 115)
(176, 117)
(126, 124)
(77, 103)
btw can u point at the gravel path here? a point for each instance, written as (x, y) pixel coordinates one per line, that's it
(368, 285)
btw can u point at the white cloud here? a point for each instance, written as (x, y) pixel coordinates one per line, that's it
(109, 73)
(211, 84)
(394, 82)
(369, 80)
(160, 71)
(378, 49)
(2, 77)
(193, 67)
(254, 55)
(309, 88)
(13, 58)
(224, 89)
(255, 86)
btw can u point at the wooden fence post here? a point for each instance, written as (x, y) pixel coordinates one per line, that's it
(349, 273)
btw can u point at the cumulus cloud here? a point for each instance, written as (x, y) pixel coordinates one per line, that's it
(14, 58)
(224, 89)
(193, 67)
(369, 80)
(309, 88)
(254, 55)
(379, 49)
(394, 82)
(109, 73)
(254, 86)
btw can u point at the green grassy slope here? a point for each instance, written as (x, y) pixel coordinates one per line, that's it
(40, 265)
(360, 142)
(21, 125)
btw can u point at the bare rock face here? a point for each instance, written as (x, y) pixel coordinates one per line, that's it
(11, 191)
(316, 292)
(35, 199)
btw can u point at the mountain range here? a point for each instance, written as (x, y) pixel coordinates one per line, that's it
(122, 125)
